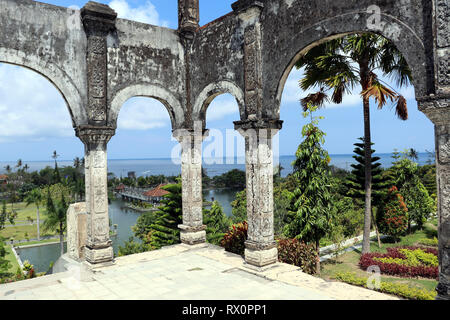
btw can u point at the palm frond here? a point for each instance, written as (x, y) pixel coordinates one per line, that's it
(380, 93)
(401, 108)
(317, 99)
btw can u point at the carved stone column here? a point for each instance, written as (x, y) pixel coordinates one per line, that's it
(192, 229)
(249, 12)
(98, 244)
(260, 247)
(188, 16)
(437, 110)
(98, 20)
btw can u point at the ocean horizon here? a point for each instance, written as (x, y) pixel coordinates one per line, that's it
(213, 166)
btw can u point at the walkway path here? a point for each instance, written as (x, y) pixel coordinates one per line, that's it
(184, 272)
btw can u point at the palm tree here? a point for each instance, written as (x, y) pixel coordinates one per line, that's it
(35, 197)
(56, 217)
(413, 154)
(339, 65)
(26, 167)
(8, 169)
(19, 164)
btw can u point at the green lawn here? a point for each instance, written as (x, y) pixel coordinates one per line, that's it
(12, 259)
(348, 262)
(19, 232)
(22, 232)
(24, 211)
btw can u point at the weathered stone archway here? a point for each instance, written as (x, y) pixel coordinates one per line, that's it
(97, 61)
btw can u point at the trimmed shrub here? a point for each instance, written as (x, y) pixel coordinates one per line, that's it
(234, 240)
(393, 214)
(397, 289)
(300, 254)
(405, 263)
(429, 242)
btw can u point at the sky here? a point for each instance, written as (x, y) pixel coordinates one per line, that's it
(34, 119)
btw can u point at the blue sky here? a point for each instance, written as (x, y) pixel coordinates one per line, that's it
(34, 120)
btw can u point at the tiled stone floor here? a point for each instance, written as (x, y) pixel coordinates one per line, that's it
(183, 272)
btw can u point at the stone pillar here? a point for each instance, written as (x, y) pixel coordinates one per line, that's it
(188, 16)
(98, 244)
(249, 12)
(437, 110)
(192, 230)
(260, 247)
(98, 21)
(76, 230)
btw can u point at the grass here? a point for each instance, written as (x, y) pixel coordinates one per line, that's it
(24, 211)
(12, 259)
(348, 262)
(19, 232)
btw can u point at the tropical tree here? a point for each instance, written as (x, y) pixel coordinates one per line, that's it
(311, 214)
(56, 219)
(239, 207)
(341, 64)
(356, 181)
(35, 197)
(217, 223)
(56, 175)
(165, 229)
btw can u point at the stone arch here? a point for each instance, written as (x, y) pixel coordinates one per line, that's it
(53, 73)
(400, 34)
(169, 101)
(211, 91)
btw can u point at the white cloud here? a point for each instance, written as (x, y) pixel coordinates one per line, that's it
(143, 114)
(145, 13)
(221, 107)
(30, 107)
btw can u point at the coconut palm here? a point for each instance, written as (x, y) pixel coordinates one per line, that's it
(35, 197)
(56, 218)
(339, 65)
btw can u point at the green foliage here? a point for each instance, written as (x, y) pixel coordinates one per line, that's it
(232, 179)
(4, 263)
(217, 223)
(429, 242)
(239, 207)
(392, 218)
(414, 258)
(132, 247)
(405, 175)
(356, 181)
(300, 254)
(165, 229)
(311, 214)
(349, 217)
(281, 203)
(234, 240)
(142, 229)
(397, 289)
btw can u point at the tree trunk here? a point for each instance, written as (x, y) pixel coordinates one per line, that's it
(61, 238)
(376, 230)
(318, 257)
(38, 226)
(364, 74)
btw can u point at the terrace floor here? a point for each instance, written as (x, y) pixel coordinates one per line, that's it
(182, 272)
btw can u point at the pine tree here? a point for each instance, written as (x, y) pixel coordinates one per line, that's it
(165, 230)
(356, 181)
(311, 214)
(217, 223)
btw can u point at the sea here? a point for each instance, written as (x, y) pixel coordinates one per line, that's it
(213, 167)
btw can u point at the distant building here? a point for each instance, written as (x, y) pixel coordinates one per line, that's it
(120, 188)
(157, 194)
(3, 179)
(132, 174)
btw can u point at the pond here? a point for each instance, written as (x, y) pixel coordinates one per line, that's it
(42, 256)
